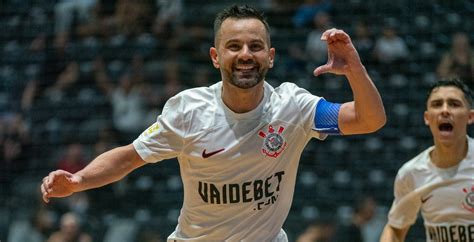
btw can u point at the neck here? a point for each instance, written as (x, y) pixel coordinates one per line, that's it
(445, 156)
(241, 100)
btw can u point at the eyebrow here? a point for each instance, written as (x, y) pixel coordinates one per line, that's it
(252, 41)
(448, 100)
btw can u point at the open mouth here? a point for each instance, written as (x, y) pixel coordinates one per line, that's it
(445, 127)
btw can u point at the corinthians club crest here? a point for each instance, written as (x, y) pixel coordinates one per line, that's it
(468, 202)
(273, 143)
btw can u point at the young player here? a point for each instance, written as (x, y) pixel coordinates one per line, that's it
(439, 182)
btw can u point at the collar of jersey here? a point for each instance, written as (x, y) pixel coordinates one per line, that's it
(469, 156)
(255, 113)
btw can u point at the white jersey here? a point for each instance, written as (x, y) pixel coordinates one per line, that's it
(238, 170)
(445, 197)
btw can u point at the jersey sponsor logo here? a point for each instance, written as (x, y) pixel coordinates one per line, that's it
(425, 199)
(262, 192)
(450, 233)
(207, 155)
(468, 202)
(273, 143)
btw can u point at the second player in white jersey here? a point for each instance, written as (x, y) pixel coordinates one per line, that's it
(439, 182)
(445, 197)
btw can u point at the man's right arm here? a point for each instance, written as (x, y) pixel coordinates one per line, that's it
(108, 167)
(391, 234)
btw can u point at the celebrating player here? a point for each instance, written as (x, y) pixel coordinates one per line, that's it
(238, 142)
(440, 180)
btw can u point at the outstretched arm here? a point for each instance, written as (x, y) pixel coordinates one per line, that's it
(391, 234)
(108, 167)
(366, 113)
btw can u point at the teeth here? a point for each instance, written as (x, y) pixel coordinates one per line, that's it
(244, 67)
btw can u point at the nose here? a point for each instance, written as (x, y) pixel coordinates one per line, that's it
(445, 109)
(245, 53)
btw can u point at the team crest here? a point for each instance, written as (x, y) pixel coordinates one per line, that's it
(468, 202)
(273, 143)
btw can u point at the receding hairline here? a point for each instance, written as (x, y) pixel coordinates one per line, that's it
(218, 30)
(239, 12)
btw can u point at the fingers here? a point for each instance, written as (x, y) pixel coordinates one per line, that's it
(321, 70)
(44, 190)
(47, 184)
(332, 35)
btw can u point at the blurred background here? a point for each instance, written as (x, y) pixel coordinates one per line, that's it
(80, 77)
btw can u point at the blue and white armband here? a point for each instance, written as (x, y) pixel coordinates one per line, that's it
(326, 117)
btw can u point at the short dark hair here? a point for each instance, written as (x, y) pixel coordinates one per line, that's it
(239, 12)
(461, 85)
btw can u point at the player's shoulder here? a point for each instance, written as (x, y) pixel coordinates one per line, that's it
(417, 164)
(470, 142)
(192, 99)
(287, 88)
(197, 94)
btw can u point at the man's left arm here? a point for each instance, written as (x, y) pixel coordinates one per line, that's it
(365, 114)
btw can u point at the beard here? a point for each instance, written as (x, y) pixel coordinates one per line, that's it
(246, 80)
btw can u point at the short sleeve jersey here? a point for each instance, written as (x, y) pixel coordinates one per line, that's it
(238, 169)
(445, 197)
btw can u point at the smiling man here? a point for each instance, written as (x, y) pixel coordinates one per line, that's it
(440, 180)
(238, 142)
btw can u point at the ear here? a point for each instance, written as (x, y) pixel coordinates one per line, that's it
(425, 117)
(272, 56)
(214, 57)
(471, 117)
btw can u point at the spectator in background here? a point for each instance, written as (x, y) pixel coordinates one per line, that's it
(168, 17)
(389, 47)
(37, 54)
(52, 76)
(128, 97)
(65, 84)
(357, 230)
(305, 13)
(100, 21)
(149, 235)
(73, 159)
(70, 230)
(106, 140)
(129, 101)
(316, 49)
(68, 11)
(133, 17)
(277, 6)
(172, 79)
(458, 61)
(14, 148)
(363, 40)
(37, 229)
(128, 106)
(318, 231)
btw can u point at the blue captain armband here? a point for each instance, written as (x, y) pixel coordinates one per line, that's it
(326, 117)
